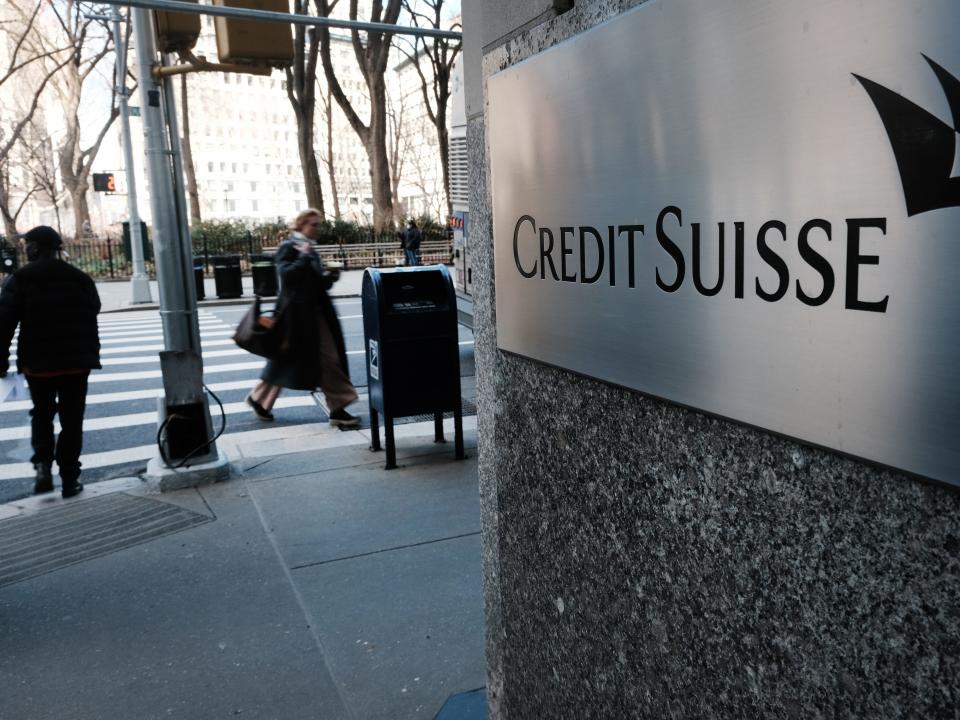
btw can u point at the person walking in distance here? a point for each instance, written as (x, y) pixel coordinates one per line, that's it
(410, 242)
(317, 353)
(56, 307)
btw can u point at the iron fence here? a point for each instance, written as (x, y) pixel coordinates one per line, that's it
(109, 258)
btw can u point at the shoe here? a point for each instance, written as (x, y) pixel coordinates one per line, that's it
(71, 488)
(44, 480)
(258, 409)
(341, 418)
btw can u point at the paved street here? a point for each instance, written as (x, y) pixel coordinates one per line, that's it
(121, 420)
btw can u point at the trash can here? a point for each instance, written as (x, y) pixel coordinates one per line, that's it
(198, 278)
(226, 276)
(144, 242)
(264, 275)
(412, 350)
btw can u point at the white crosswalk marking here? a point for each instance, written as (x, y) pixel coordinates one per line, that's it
(152, 359)
(157, 348)
(136, 338)
(121, 403)
(150, 418)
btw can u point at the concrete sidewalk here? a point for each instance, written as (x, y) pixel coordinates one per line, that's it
(310, 585)
(116, 295)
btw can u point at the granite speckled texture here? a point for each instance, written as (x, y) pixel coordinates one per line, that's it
(645, 560)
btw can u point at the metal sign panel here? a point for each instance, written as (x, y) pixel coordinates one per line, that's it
(747, 207)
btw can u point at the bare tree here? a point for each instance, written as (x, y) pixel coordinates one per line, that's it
(26, 66)
(301, 90)
(439, 54)
(327, 157)
(13, 194)
(43, 168)
(398, 146)
(90, 41)
(372, 59)
(188, 168)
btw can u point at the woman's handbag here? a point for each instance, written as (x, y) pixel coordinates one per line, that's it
(262, 335)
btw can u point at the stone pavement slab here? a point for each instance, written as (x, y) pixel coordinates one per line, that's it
(200, 624)
(325, 587)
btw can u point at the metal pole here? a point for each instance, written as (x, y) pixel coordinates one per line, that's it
(140, 282)
(183, 247)
(179, 333)
(184, 411)
(288, 18)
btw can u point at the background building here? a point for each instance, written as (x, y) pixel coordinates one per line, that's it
(243, 138)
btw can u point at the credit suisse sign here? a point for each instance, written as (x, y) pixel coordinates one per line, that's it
(747, 207)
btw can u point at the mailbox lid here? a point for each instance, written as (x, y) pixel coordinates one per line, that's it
(416, 291)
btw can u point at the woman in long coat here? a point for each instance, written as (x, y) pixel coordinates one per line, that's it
(316, 356)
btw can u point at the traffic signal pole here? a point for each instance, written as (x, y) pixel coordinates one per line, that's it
(178, 311)
(184, 412)
(140, 282)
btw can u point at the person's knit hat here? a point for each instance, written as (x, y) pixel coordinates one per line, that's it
(44, 236)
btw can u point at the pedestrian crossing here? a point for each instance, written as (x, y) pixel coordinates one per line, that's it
(121, 420)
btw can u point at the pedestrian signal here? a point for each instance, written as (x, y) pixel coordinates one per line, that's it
(104, 182)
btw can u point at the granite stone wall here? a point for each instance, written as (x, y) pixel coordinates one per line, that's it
(645, 560)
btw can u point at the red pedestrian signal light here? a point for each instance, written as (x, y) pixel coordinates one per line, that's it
(104, 182)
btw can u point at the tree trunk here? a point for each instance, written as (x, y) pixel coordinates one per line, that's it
(443, 137)
(331, 166)
(376, 147)
(301, 91)
(308, 160)
(188, 169)
(9, 222)
(372, 59)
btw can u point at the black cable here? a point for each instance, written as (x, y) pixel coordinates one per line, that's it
(205, 443)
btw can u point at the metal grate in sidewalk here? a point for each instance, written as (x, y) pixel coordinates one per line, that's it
(469, 408)
(51, 539)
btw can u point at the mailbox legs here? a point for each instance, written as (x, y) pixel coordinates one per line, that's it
(374, 430)
(391, 448)
(375, 437)
(458, 432)
(438, 434)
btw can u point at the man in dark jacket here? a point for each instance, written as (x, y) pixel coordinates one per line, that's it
(56, 307)
(410, 242)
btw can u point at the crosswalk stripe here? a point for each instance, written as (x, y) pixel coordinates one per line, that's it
(147, 321)
(98, 377)
(157, 322)
(142, 315)
(125, 396)
(153, 330)
(153, 338)
(150, 418)
(11, 471)
(151, 348)
(151, 359)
